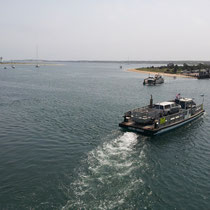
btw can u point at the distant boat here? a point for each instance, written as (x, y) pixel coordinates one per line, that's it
(37, 65)
(5, 67)
(158, 79)
(13, 66)
(120, 67)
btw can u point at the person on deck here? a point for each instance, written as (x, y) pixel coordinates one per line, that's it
(178, 96)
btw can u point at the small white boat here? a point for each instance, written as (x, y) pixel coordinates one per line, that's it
(157, 79)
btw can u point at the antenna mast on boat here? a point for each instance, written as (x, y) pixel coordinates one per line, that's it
(151, 102)
(37, 65)
(202, 95)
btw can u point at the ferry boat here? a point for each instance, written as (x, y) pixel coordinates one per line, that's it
(158, 118)
(157, 79)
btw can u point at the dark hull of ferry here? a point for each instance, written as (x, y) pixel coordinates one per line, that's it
(153, 82)
(153, 132)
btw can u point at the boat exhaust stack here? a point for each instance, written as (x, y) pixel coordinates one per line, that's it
(151, 102)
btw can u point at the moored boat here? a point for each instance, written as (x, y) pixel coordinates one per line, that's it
(161, 117)
(157, 79)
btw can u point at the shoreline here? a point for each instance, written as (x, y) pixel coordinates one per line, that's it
(161, 73)
(31, 64)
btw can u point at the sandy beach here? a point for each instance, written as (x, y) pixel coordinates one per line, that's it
(164, 74)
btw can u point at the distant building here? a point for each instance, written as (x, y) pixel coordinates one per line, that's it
(185, 72)
(195, 71)
(204, 73)
(170, 65)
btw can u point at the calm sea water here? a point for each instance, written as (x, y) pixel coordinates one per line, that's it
(61, 147)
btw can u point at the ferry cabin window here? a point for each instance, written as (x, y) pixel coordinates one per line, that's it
(190, 104)
(182, 103)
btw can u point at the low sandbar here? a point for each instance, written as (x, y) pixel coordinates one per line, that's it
(161, 73)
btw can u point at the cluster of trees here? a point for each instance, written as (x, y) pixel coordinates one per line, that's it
(195, 67)
(185, 67)
(174, 68)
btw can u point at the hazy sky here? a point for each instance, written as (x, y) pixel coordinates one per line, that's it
(105, 29)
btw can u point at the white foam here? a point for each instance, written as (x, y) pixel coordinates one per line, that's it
(108, 164)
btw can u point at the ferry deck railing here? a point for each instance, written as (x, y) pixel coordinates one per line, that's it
(170, 119)
(144, 113)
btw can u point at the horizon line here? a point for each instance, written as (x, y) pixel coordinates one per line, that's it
(92, 60)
